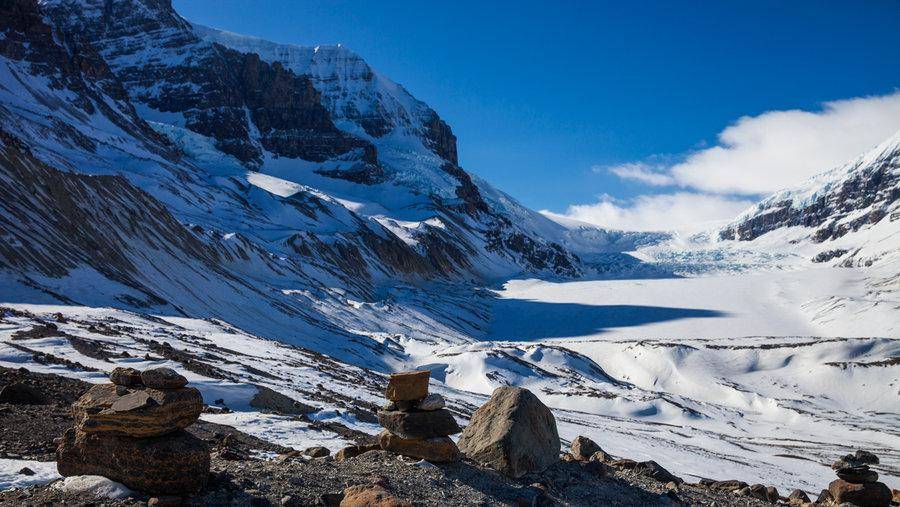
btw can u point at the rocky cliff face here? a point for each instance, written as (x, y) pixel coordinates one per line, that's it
(171, 168)
(833, 204)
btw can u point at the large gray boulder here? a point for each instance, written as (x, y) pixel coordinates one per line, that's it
(513, 433)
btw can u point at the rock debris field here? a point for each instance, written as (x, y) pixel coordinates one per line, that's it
(138, 441)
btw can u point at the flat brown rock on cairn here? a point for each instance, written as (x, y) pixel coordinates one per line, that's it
(131, 431)
(408, 386)
(138, 413)
(513, 433)
(417, 425)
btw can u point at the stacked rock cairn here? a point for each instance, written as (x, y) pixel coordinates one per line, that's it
(132, 431)
(856, 483)
(417, 424)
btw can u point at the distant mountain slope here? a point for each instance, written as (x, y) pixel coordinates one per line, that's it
(840, 201)
(315, 116)
(146, 168)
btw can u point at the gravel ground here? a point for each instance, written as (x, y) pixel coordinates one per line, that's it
(244, 471)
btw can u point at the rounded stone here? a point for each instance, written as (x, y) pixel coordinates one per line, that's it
(163, 378)
(513, 432)
(123, 376)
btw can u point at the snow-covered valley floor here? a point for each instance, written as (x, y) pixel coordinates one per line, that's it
(764, 376)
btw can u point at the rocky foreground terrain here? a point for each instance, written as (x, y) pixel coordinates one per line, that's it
(36, 409)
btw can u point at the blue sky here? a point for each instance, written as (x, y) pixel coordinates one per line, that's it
(547, 98)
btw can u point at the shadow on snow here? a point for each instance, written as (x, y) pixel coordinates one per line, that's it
(523, 319)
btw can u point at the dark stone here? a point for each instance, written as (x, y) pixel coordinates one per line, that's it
(656, 471)
(798, 496)
(18, 393)
(317, 452)
(163, 378)
(866, 457)
(354, 451)
(857, 475)
(419, 424)
(268, 400)
(177, 463)
(127, 377)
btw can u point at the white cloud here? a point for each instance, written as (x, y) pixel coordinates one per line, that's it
(685, 212)
(639, 171)
(777, 149)
(756, 155)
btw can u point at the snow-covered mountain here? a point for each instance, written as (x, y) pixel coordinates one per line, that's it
(167, 172)
(845, 210)
(251, 203)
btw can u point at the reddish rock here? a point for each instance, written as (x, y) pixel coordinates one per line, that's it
(371, 495)
(798, 497)
(317, 452)
(438, 450)
(408, 386)
(864, 495)
(354, 451)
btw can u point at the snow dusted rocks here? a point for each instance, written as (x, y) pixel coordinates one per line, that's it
(513, 433)
(411, 430)
(134, 435)
(433, 401)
